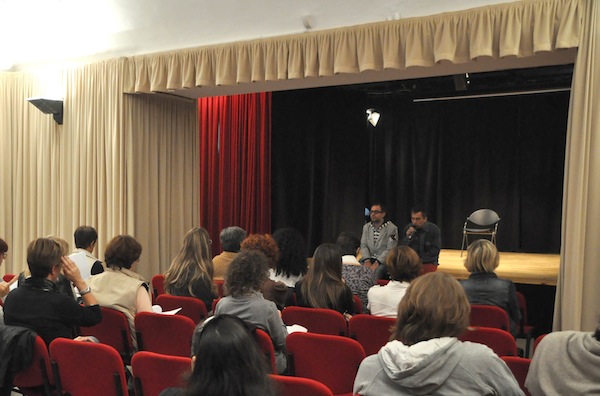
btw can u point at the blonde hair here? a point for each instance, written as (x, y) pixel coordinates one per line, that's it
(482, 256)
(195, 257)
(64, 245)
(435, 305)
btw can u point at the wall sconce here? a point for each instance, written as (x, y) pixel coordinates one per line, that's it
(373, 116)
(49, 106)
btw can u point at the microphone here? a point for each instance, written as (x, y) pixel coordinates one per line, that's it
(412, 233)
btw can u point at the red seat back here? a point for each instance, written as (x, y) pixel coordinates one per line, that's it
(316, 320)
(500, 341)
(166, 334)
(158, 284)
(331, 360)
(358, 307)
(112, 330)
(191, 307)
(519, 367)
(39, 372)
(153, 372)
(297, 386)
(104, 373)
(537, 342)
(372, 332)
(266, 346)
(220, 284)
(489, 316)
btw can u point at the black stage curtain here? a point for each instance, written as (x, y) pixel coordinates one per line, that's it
(453, 156)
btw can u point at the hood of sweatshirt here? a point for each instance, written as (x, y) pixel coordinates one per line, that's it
(420, 368)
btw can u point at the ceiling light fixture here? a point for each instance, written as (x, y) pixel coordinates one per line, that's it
(373, 116)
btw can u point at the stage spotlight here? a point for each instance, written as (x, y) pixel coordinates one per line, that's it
(373, 116)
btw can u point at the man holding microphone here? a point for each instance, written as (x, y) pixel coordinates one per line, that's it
(424, 238)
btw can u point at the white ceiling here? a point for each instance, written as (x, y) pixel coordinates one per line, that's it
(39, 32)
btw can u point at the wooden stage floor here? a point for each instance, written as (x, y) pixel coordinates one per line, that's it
(527, 268)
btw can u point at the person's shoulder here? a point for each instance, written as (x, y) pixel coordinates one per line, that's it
(172, 392)
(432, 226)
(475, 352)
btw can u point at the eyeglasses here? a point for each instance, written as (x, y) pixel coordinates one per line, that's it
(376, 211)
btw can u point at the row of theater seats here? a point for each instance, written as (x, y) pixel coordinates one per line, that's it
(81, 368)
(195, 311)
(367, 334)
(331, 359)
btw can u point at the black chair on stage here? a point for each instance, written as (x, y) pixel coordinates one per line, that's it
(482, 222)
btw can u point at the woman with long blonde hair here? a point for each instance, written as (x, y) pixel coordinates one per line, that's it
(323, 287)
(191, 271)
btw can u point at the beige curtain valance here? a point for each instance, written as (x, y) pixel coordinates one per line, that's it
(513, 29)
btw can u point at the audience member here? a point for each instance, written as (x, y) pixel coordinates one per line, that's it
(292, 264)
(231, 238)
(4, 286)
(358, 278)
(62, 284)
(86, 239)
(566, 363)
(403, 265)
(484, 287)
(38, 305)
(323, 287)
(378, 237)
(271, 290)
(226, 361)
(191, 271)
(120, 287)
(244, 278)
(424, 237)
(424, 356)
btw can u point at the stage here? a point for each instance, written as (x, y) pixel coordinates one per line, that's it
(526, 268)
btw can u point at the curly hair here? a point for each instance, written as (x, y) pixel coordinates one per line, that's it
(122, 251)
(435, 305)
(292, 258)
(265, 244)
(403, 263)
(246, 273)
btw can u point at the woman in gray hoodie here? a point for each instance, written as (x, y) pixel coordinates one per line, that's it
(425, 357)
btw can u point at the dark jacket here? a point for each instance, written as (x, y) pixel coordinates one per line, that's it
(16, 351)
(487, 289)
(426, 241)
(37, 304)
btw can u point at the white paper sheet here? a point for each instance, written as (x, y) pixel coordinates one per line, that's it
(158, 309)
(85, 268)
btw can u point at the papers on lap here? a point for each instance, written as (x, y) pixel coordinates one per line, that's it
(158, 309)
(296, 328)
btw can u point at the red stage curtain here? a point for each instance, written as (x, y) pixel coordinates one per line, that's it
(235, 163)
